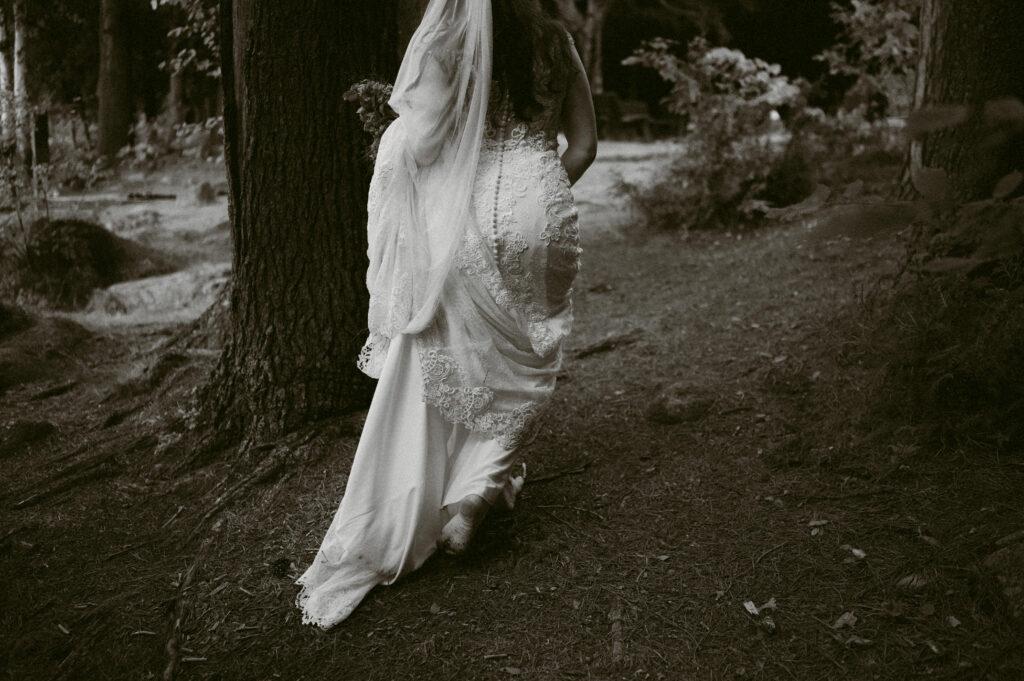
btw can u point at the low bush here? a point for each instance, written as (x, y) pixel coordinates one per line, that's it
(732, 162)
(61, 262)
(947, 341)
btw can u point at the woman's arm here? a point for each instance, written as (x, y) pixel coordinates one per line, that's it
(578, 121)
(427, 112)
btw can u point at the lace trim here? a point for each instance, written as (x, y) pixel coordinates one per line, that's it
(471, 406)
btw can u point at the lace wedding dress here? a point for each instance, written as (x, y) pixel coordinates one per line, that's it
(455, 399)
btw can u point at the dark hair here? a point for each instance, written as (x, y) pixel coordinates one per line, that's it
(529, 43)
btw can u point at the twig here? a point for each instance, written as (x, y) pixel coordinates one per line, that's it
(573, 527)
(178, 613)
(171, 519)
(765, 553)
(131, 547)
(560, 474)
(575, 508)
(616, 617)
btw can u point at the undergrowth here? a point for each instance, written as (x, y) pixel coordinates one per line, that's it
(947, 355)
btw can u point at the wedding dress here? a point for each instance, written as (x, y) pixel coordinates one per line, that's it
(471, 298)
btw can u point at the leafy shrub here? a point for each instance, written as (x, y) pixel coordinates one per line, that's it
(62, 261)
(720, 177)
(878, 48)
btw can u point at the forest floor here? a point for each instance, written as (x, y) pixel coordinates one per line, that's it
(704, 500)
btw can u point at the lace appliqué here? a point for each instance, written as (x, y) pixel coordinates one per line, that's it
(471, 406)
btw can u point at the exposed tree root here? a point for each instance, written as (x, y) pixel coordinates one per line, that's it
(100, 470)
(86, 470)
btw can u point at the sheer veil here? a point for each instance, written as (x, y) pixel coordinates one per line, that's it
(420, 202)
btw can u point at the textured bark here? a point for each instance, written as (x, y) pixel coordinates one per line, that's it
(298, 178)
(970, 53)
(115, 106)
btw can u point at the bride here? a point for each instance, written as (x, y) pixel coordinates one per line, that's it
(473, 247)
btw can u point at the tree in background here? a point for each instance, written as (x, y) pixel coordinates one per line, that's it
(195, 52)
(6, 95)
(706, 17)
(970, 58)
(20, 100)
(114, 117)
(298, 178)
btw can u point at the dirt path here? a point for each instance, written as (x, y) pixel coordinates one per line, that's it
(637, 541)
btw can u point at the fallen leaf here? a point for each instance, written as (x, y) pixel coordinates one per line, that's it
(770, 605)
(857, 553)
(1008, 185)
(858, 641)
(751, 608)
(514, 671)
(935, 118)
(847, 619)
(912, 581)
(952, 621)
(817, 523)
(434, 608)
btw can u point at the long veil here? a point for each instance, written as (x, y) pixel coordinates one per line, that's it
(420, 202)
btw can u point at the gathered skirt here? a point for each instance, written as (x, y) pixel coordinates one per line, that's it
(454, 401)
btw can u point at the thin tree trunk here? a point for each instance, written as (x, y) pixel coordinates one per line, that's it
(298, 178)
(21, 104)
(5, 74)
(592, 39)
(115, 107)
(970, 54)
(172, 105)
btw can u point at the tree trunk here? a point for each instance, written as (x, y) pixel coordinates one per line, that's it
(5, 74)
(592, 38)
(115, 106)
(298, 177)
(172, 104)
(22, 111)
(970, 54)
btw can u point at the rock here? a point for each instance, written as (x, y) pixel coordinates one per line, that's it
(181, 295)
(679, 403)
(1007, 564)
